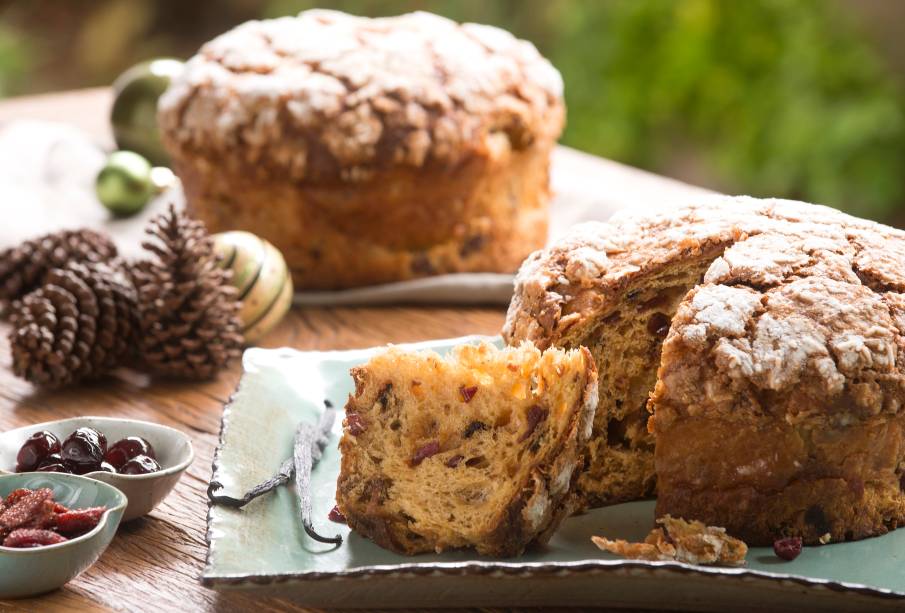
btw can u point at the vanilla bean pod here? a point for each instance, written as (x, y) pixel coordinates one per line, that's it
(283, 475)
(285, 472)
(310, 442)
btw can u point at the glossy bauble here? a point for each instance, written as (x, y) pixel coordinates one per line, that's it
(124, 185)
(134, 114)
(262, 278)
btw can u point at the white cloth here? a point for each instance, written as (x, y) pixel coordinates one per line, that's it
(47, 173)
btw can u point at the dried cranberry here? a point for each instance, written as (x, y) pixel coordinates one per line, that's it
(425, 451)
(32, 537)
(85, 447)
(336, 515)
(468, 393)
(454, 461)
(658, 325)
(140, 465)
(787, 548)
(125, 449)
(535, 415)
(35, 450)
(355, 424)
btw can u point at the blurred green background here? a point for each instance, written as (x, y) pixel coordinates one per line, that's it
(794, 98)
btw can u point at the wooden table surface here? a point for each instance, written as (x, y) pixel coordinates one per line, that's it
(155, 563)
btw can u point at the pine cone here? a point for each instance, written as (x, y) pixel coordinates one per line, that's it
(188, 312)
(22, 268)
(78, 325)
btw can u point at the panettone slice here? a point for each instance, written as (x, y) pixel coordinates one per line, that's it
(477, 449)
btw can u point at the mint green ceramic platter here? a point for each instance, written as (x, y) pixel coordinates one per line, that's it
(264, 547)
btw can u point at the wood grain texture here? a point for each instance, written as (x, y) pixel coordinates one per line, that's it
(154, 563)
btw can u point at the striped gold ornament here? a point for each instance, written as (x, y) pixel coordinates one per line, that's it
(262, 278)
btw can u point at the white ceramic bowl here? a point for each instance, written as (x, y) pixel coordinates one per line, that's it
(28, 572)
(173, 448)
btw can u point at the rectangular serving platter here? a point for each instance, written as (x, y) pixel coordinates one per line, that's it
(263, 546)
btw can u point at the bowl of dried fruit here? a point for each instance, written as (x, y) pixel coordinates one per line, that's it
(143, 460)
(53, 526)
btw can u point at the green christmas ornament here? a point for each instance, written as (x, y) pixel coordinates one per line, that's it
(125, 185)
(262, 278)
(134, 114)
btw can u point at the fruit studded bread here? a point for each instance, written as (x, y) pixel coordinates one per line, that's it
(477, 449)
(369, 150)
(778, 398)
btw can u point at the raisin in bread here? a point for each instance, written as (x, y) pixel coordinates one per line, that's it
(789, 336)
(477, 449)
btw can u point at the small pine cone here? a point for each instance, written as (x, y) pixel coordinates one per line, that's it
(188, 311)
(78, 325)
(22, 268)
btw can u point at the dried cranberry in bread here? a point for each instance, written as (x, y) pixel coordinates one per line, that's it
(778, 401)
(477, 449)
(369, 150)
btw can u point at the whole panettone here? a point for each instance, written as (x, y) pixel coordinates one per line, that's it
(369, 150)
(767, 340)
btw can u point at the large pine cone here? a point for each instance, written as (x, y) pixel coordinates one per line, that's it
(22, 268)
(188, 312)
(80, 324)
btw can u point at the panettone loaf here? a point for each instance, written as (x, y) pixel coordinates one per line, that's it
(778, 404)
(477, 449)
(369, 150)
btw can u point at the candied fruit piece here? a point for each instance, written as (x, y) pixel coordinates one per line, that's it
(25, 508)
(32, 537)
(85, 447)
(79, 521)
(468, 393)
(125, 449)
(44, 516)
(35, 450)
(336, 515)
(140, 465)
(16, 495)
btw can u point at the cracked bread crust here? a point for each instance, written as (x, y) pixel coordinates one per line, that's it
(369, 151)
(327, 95)
(601, 276)
(779, 404)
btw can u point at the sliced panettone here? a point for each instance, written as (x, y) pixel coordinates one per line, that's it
(476, 449)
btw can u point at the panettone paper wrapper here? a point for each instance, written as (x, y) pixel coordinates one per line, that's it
(48, 170)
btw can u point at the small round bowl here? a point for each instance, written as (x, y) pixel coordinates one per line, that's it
(28, 572)
(145, 492)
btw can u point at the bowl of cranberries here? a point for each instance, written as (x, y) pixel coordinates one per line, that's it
(53, 526)
(142, 459)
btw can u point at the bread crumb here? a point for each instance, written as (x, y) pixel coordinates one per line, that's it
(826, 538)
(682, 541)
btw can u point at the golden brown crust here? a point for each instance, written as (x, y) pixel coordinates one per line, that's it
(326, 95)
(369, 150)
(800, 315)
(486, 215)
